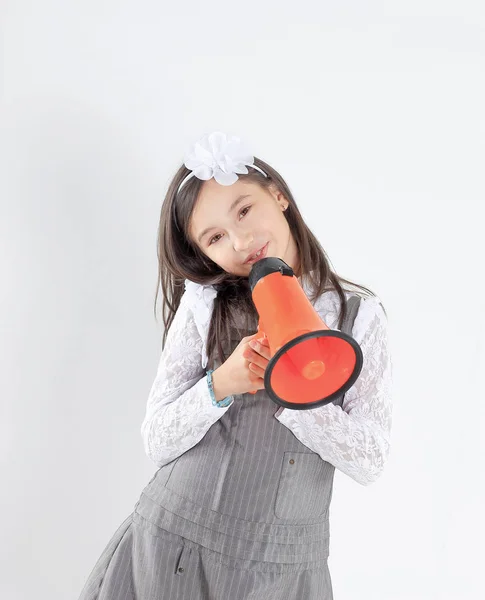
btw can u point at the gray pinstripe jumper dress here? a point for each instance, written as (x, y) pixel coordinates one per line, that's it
(242, 515)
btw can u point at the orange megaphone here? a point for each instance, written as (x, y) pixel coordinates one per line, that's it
(310, 364)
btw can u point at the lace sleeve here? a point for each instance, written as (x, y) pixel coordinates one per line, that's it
(179, 409)
(355, 437)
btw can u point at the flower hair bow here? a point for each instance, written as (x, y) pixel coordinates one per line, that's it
(219, 156)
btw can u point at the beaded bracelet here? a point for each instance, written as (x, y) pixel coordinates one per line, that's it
(222, 403)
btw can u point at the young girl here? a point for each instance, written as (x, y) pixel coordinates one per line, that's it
(239, 506)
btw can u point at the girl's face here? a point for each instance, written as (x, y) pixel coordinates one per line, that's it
(230, 223)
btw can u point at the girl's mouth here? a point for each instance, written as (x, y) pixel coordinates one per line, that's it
(259, 255)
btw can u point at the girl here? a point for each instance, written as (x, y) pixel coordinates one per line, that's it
(239, 506)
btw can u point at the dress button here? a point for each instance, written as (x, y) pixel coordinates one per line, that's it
(181, 569)
(292, 461)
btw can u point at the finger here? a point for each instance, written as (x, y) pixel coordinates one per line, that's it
(258, 384)
(257, 370)
(260, 349)
(249, 337)
(253, 356)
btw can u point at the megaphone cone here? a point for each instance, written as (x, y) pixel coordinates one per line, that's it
(310, 364)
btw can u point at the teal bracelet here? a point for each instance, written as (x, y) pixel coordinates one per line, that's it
(222, 403)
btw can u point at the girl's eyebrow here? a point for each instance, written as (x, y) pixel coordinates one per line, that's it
(231, 208)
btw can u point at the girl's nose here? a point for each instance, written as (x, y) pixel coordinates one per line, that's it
(242, 242)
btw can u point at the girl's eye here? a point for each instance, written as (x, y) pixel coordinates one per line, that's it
(217, 236)
(214, 238)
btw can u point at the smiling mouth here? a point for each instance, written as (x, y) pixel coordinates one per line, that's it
(260, 254)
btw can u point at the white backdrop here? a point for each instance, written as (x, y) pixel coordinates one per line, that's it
(373, 112)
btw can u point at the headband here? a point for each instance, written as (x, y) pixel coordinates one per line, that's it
(219, 156)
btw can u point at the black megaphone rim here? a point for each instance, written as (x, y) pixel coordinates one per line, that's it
(359, 359)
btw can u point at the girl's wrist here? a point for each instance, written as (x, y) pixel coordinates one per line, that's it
(219, 386)
(224, 402)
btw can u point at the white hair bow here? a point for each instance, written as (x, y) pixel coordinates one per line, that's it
(219, 156)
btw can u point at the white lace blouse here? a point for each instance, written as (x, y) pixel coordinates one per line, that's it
(354, 438)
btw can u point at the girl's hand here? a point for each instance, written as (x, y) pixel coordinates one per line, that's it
(258, 355)
(244, 370)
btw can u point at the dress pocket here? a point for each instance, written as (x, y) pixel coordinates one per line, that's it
(305, 486)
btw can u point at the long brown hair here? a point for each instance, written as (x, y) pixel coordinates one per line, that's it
(179, 259)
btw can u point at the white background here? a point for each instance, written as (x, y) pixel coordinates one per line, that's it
(373, 113)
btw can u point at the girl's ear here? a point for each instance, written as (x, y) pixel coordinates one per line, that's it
(273, 190)
(278, 195)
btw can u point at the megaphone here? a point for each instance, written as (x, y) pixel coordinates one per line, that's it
(310, 364)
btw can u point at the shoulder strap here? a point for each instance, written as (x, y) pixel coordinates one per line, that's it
(353, 304)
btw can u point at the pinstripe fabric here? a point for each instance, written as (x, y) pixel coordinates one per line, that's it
(244, 514)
